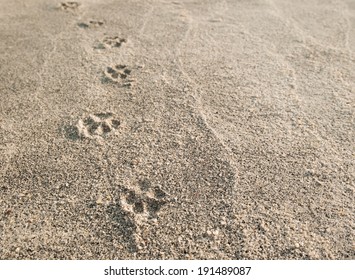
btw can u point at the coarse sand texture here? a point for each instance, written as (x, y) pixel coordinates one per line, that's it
(182, 129)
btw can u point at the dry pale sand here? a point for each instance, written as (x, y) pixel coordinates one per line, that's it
(177, 129)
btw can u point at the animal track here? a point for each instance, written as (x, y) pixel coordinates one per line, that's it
(94, 126)
(118, 74)
(110, 42)
(69, 6)
(91, 23)
(113, 42)
(136, 211)
(143, 202)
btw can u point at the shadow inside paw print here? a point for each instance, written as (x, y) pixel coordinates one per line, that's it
(91, 24)
(69, 6)
(71, 132)
(137, 203)
(118, 74)
(93, 126)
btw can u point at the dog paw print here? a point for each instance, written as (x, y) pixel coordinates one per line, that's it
(118, 74)
(110, 42)
(91, 24)
(145, 202)
(97, 125)
(69, 6)
(113, 42)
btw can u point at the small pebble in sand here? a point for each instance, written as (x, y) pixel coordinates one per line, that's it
(99, 200)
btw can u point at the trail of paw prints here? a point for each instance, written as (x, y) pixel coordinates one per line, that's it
(91, 24)
(69, 6)
(94, 126)
(119, 74)
(111, 42)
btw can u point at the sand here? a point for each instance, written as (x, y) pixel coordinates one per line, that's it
(177, 129)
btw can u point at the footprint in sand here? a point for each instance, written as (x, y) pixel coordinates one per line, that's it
(143, 202)
(136, 211)
(111, 42)
(97, 125)
(119, 74)
(94, 126)
(69, 6)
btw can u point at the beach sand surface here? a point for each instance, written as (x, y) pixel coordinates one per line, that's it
(177, 129)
